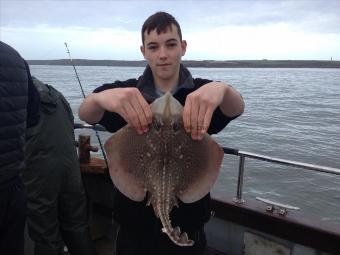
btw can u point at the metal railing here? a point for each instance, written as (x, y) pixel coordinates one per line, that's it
(243, 155)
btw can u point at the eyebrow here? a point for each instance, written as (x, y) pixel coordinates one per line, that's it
(172, 40)
(167, 41)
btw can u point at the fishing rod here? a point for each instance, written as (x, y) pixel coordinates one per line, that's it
(82, 90)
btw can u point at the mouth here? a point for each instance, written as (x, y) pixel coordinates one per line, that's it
(163, 65)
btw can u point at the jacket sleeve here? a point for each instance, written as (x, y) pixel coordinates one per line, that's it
(113, 121)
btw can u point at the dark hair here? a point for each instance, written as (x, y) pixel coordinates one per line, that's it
(161, 21)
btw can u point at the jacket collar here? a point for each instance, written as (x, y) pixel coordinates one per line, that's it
(48, 96)
(147, 87)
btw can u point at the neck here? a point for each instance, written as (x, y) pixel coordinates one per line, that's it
(166, 85)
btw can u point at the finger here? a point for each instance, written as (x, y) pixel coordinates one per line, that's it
(200, 120)
(207, 120)
(186, 115)
(132, 118)
(145, 108)
(140, 115)
(193, 119)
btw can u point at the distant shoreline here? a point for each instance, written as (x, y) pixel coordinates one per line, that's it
(200, 63)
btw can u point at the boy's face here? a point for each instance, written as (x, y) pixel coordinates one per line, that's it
(163, 52)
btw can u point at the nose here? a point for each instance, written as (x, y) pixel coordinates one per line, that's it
(163, 53)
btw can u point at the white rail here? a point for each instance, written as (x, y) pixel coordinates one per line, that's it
(243, 155)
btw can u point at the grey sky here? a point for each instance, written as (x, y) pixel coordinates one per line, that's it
(213, 29)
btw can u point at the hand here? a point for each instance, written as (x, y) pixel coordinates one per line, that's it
(129, 104)
(200, 106)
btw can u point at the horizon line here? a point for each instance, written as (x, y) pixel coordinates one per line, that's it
(202, 60)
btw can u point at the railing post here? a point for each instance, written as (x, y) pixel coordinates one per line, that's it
(238, 199)
(85, 148)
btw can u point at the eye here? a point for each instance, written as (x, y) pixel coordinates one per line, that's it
(157, 125)
(171, 45)
(152, 47)
(175, 126)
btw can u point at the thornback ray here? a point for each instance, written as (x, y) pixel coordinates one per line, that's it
(165, 162)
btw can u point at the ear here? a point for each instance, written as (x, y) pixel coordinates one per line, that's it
(184, 47)
(142, 49)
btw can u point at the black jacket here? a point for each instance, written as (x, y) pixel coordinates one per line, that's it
(136, 215)
(18, 109)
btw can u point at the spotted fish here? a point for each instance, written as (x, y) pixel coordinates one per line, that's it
(164, 163)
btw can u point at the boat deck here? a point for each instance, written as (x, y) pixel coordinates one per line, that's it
(105, 246)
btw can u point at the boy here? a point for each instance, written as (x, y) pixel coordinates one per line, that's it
(208, 107)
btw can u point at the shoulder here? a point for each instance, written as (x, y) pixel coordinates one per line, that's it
(6, 49)
(10, 57)
(117, 84)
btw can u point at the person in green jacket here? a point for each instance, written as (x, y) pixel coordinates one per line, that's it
(57, 205)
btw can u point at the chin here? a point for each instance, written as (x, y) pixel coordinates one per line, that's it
(165, 75)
